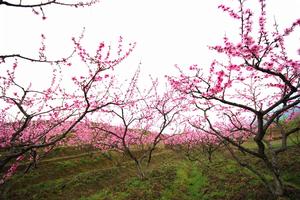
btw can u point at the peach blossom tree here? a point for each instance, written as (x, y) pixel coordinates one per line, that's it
(135, 126)
(252, 85)
(34, 119)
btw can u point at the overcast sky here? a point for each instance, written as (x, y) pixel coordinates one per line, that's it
(167, 32)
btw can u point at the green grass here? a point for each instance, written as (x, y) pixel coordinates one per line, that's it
(169, 177)
(188, 183)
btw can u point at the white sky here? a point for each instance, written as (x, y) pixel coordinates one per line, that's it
(167, 32)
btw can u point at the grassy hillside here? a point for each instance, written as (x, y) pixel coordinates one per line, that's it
(77, 174)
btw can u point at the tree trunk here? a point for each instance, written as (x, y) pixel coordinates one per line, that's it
(150, 156)
(140, 170)
(209, 156)
(278, 190)
(276, 185)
